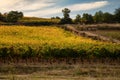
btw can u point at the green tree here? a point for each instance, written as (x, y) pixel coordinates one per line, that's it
(14, 16)
(107, 18)
(2, 17)
(52, 17)
(66, 12)
(98, 17)
(87, 18)
(117, 15)
(57, 17)
(66, 19)
(77, 19)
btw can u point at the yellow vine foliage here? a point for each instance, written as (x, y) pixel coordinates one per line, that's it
(37, 36)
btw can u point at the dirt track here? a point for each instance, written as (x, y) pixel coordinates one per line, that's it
(90, 35)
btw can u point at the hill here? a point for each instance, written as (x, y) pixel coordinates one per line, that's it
(49, 52)
(37, 21)
(33, 21)
(21, 42)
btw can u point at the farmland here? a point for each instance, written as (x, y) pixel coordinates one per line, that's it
(45, 39)
(38, 21)
(33, 21)
(59, 40)
(115, 34)
(94, 71)
(50, 52)
(30, 36)
(52, 42)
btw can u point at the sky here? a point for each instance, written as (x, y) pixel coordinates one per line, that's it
(52, 8)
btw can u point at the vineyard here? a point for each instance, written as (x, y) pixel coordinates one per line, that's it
(38, 21)
(33, 21)
(50, 42)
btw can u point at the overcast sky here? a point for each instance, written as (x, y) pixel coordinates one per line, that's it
(49, 8)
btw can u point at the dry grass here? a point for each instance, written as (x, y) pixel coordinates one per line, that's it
(61, 72)
(113, 34)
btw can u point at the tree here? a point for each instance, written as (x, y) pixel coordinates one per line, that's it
(14, 16)
(107, 18)
(52, 17)
(77, 19)
(66, 19)
(117, 15)
(98, 17)
(57, 17)
(87, 18)
(1, 17)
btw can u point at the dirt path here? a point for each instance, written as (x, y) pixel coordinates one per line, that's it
(90, 35)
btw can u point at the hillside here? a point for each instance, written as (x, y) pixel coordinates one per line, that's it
(49, 52)
(38, 21)
(32, 21)
(51, 42)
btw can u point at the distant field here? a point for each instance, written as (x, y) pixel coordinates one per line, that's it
(34, 21)
(38, 21)
(114, 34)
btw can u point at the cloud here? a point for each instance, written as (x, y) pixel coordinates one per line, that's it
(41, 8)
(74, 7)
(24, 5)
(88, 6)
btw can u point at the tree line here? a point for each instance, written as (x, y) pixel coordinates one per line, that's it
(11, 17)
(86, 18)
(98, 17)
